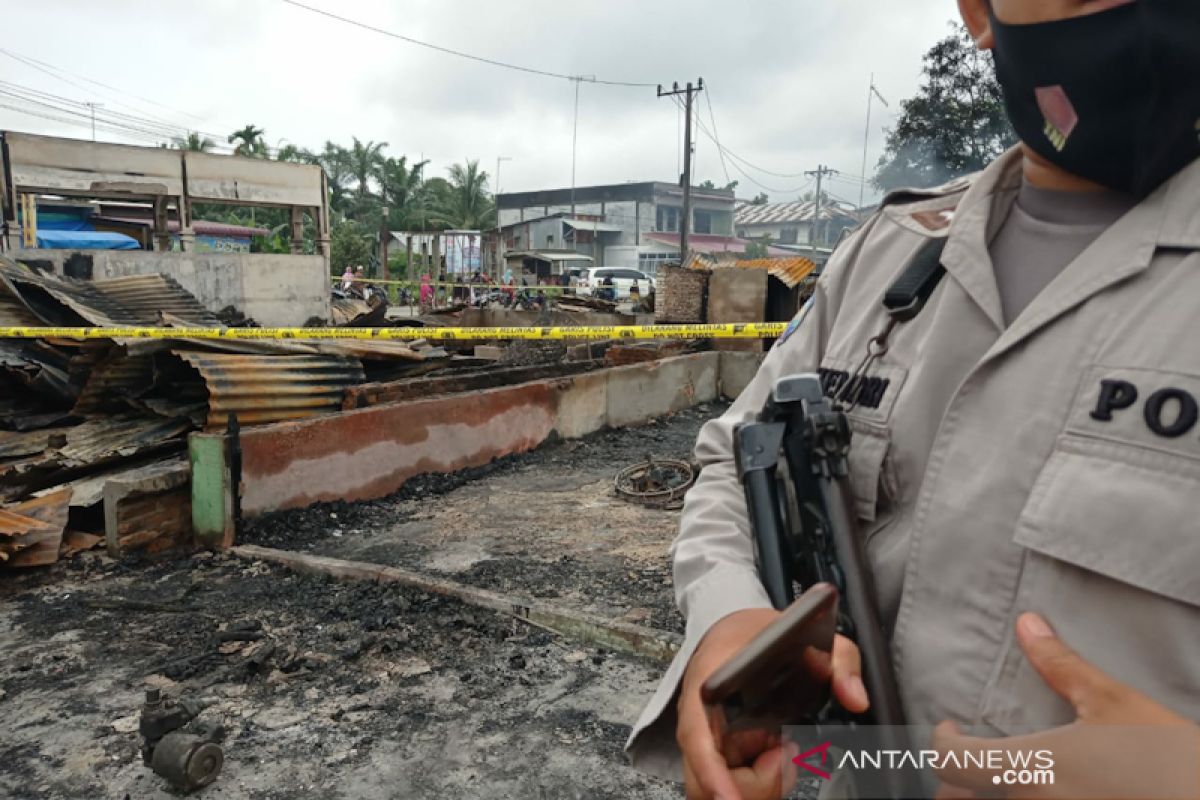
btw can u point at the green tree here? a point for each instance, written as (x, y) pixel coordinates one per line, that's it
(335, 160)
(757, 249)
(760, 199)
(350, 244)
(811, 196)
(400, 186)
(193, 141)
(729, 187)
(249, 141)
(294, 154)
(365, 161)
(469, 205)
(955, 125)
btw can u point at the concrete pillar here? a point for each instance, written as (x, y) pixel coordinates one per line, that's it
(28, 220)
(162, 234)
(187, 236)
(297, 243)
(437, 256)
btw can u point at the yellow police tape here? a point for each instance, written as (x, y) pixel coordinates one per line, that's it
(479, 287)
(744, 330)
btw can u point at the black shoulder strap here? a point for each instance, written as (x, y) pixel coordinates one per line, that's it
(907, 296)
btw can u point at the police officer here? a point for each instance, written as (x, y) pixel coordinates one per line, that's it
(1026, 464)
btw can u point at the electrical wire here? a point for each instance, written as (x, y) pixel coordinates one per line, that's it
(79, 123)
(773, 190)
(720, 150)
(141, 123)
(54, 72)
(459, 53)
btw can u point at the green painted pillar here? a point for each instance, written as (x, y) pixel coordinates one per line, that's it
(213, 513)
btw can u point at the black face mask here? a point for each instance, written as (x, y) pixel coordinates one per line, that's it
(1113, 97)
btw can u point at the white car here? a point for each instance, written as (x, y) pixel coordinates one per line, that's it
(592, 282)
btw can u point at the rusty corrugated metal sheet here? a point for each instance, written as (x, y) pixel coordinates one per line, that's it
(12, 524)
(63, 302)
(146, 295)
(789, 270)
(118, 377)
(102, 440)
(260, 388)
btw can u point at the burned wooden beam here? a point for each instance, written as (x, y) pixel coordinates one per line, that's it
(618, 636)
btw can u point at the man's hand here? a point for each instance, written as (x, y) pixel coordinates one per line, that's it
(1121, 745)
(759, 768)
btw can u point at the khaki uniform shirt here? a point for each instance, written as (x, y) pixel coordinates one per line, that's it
(1051, 465)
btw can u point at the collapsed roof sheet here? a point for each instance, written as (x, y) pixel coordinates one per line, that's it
(146, 295)
(259, 388)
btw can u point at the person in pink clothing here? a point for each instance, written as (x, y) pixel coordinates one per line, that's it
(426, 291)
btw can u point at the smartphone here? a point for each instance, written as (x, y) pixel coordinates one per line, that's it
(781, 677)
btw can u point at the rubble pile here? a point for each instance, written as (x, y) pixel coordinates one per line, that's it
(77, 416)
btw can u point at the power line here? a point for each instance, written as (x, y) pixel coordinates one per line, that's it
(75, 122)
(83, 115)
(103, 119)
(743, 172)
(54, 71)
(459, 53)
(165, 128)
(720, 151)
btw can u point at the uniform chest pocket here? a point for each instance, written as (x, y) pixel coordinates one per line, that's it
(872, 474)
(1111, 539)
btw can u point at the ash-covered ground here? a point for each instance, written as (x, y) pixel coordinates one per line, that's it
(368, 691)
(545, 525)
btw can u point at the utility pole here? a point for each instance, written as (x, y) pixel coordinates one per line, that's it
(577, 79)
(686, 223)
(93, 107)
(499, 251)
(385, 235)
(820, 172)
(872, 93)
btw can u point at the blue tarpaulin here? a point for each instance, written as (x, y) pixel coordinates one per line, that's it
(86, 240)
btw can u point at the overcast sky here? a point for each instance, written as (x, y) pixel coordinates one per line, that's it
(788, 78)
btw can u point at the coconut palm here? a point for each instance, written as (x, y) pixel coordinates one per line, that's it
(365, 161)
(400, 185)
(293, 153)
(248, 141)
(335, 160)
(468, 204)
(193, 141)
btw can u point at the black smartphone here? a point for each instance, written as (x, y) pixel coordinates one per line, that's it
(780, 678)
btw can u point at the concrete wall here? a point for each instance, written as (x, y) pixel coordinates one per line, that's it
(737, 295)
(737, 370)
(275, 290)
(372, 452)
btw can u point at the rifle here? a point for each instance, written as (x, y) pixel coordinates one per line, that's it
(810, 534)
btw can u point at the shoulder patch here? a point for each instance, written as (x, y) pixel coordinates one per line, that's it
(796, 322)
(911, 195)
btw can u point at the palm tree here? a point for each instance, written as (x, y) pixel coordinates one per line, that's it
(293, 154)
(400, 186)
(335, 160)
(469, 204)
(249, 141)
(365, 161)
(193, 141)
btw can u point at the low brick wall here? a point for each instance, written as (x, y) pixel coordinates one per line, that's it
(371, 452)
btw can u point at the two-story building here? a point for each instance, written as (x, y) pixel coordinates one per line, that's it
(794, 224)
(633, 225)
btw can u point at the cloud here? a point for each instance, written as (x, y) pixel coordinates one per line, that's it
(788, 78)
